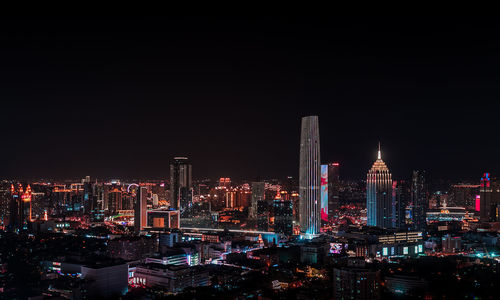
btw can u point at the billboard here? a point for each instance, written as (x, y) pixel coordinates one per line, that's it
(324, 192)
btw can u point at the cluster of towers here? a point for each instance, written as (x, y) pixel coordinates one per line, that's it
(20, 207)
(386, 200)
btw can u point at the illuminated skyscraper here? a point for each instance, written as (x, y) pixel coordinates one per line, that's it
(140, 216)
(379, 210)
(180, 182)
(310, 177)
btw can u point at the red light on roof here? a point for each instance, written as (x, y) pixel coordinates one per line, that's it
(335, 164)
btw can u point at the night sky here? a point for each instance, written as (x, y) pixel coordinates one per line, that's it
(120, 98)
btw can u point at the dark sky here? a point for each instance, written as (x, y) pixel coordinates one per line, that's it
(120, 98)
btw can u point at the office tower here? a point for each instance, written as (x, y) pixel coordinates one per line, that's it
(14, 208)
(324, 193)
(283, 215)
(489, 201)
(114, 201)
(88, 198)
(485, 198)
(20, 207)
(333, 190)
(401, 197)
(258, 194)
(379, 195)
(141, 202)
(356, 281)
(310, 176)
(419, 200)
(180, 181)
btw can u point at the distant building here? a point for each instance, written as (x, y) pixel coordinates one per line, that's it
(20, 207)
(283, 215)
(464, 195)
(310, 177)
(140, 215)
(174, 278)
(379, 195)
(489, 192)
(225, 182)
(401, 196)
(114, 203)
(419, 200)
(180, 183)
(163, 218)
(356, 281)
(258, 194)
(333, 190)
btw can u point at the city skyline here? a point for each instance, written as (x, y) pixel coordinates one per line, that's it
(90, 86)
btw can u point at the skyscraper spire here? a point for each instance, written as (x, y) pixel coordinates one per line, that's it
(379, 153)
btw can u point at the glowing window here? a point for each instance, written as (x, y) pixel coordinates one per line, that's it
(384, 251)
(405, 250)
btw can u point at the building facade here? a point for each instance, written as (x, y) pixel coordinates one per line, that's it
(379, 195)
(419, 200)
(180, 182)
(310, 177)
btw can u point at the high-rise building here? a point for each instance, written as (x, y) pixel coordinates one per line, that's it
(114, 201)
(310, 176)
(180, 182)
(489, 201)
(283, 215)
(140, 215)
(258, 194)
(485, 191)
(419, 200)
(401, 197)
(333, 190)
(20, 207)
(379, 195)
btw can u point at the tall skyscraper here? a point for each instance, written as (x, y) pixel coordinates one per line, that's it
(310, 177)
(140, 215)
(401, 196)
(180, 182)
(419, 200)
(333, 190)
(258, 194)
(379, 195)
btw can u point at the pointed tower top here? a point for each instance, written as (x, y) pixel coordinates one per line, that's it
(379, 153)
